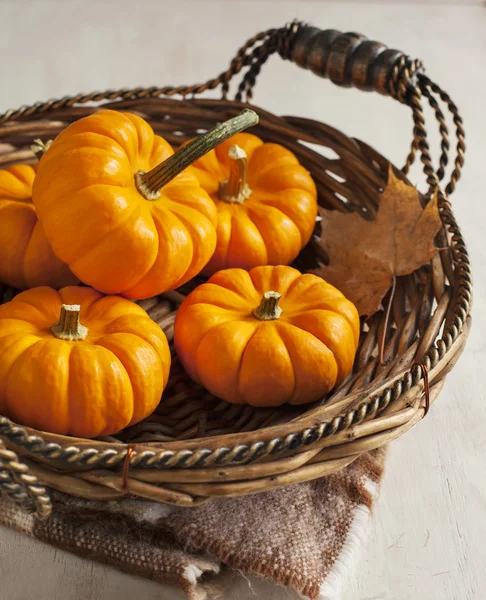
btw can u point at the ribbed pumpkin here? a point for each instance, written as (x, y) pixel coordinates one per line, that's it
(75, 362)
(267, 337)
(26, 258)
(136, 222)
(266, 201)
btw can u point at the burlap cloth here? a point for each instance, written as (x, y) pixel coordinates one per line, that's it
(304, 536)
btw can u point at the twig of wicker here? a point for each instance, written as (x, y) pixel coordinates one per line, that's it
(196, 446)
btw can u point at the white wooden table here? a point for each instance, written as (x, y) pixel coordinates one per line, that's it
(429, 531)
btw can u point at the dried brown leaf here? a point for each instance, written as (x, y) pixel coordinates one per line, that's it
(364, 256)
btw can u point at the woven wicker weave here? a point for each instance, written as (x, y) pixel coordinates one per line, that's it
(195, 446)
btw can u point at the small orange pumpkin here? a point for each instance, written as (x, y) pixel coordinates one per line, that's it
(100, 366)
(26, 258)
(267, 337)
(266, 201)
(136, 222)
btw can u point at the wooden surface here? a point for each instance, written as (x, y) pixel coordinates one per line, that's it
(428, 536)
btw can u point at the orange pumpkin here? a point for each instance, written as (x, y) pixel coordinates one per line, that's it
(98, 367)
(267, 337)
(266, 201)
(134, 224)
(26, 258)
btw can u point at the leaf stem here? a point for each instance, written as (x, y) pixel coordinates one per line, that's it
(387, 318)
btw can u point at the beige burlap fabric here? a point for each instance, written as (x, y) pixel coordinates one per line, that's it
(305, 536)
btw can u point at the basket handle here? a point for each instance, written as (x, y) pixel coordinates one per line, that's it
(347, 59)
(351, 60)
(21, 486)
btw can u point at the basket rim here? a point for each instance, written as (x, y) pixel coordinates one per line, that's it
(273, 440)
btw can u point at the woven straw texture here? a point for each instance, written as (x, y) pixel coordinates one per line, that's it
(196, 446)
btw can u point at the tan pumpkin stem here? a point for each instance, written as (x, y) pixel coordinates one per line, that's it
(236, 189)
(39, 148)
(268, 310)
(149, 184)
(68, 327)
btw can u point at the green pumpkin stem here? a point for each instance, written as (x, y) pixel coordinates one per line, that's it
(236, 189)
(68, 327)
(149, 184)
(268, 310)
(39, 148)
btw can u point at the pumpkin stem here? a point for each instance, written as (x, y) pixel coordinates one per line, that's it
(236, 189)
(68, 327)
(268, 310)
(149, 184)
(39, 148)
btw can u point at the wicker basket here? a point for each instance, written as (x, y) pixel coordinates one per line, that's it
(195, 446)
